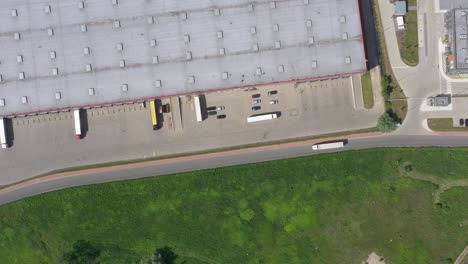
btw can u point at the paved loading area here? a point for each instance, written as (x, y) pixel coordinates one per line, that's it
(46, 142)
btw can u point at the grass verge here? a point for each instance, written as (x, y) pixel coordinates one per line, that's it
(408, 39)
(444, 125)
(396, 104)
(331, 208)
(367, 93)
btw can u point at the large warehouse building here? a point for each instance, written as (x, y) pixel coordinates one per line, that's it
(57, 55)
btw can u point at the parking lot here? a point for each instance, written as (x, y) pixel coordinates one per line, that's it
(46, 142)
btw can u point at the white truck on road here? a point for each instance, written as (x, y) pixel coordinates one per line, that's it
(331, 145)
(3, 137)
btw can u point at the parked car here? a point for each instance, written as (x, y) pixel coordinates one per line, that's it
(221, 116)
(255, 95)
(212, 112)
(255, 108)
(211, 108)
(272, 92)
(274, 101)
(257, 101)
(466, 122)
(219, 108)
(462, 122)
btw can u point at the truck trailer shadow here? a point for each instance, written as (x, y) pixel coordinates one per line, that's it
(84, 122)
(345, 141)
(9, 132)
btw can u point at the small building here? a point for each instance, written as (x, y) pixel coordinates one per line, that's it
(440, 100)
(400, 8)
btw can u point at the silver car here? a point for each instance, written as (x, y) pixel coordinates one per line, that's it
(256, 101)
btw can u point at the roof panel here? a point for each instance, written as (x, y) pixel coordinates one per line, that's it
(295, 54)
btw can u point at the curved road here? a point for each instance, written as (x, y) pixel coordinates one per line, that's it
(215, 160)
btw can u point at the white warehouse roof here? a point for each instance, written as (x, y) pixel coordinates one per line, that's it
(131, 49)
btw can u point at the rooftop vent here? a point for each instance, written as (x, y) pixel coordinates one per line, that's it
(253, 30)
(191, 79)
(255, 47)
(158, 83)
(281, 68)
(155, 59)
(277, 44)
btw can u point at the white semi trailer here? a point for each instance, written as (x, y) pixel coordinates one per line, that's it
(331, 145)
(76, 117)
(3, 137)
(259, 118)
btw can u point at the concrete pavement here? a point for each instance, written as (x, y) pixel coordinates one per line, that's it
(423, 80)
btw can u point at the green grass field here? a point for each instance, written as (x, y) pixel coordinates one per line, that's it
(332, 208)
(408, 39)
(367, 93)
(444, 125)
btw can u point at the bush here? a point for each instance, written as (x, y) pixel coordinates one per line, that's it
(386, 123)
(83, 253)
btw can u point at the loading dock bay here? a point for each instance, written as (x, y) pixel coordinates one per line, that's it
(46, 142)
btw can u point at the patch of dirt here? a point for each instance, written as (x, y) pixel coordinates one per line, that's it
(374, 259)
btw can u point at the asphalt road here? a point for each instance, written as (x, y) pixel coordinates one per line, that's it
(228, 160)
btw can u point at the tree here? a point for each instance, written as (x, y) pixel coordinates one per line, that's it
(386, 123)
(165, 255)
(83, 253)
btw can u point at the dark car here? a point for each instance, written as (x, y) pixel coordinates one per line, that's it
(255, 108)
(212, 112)
(221, 116)
(462, 122)
(211, 108)
(272, 92)
(466, 122)
(255, 95)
